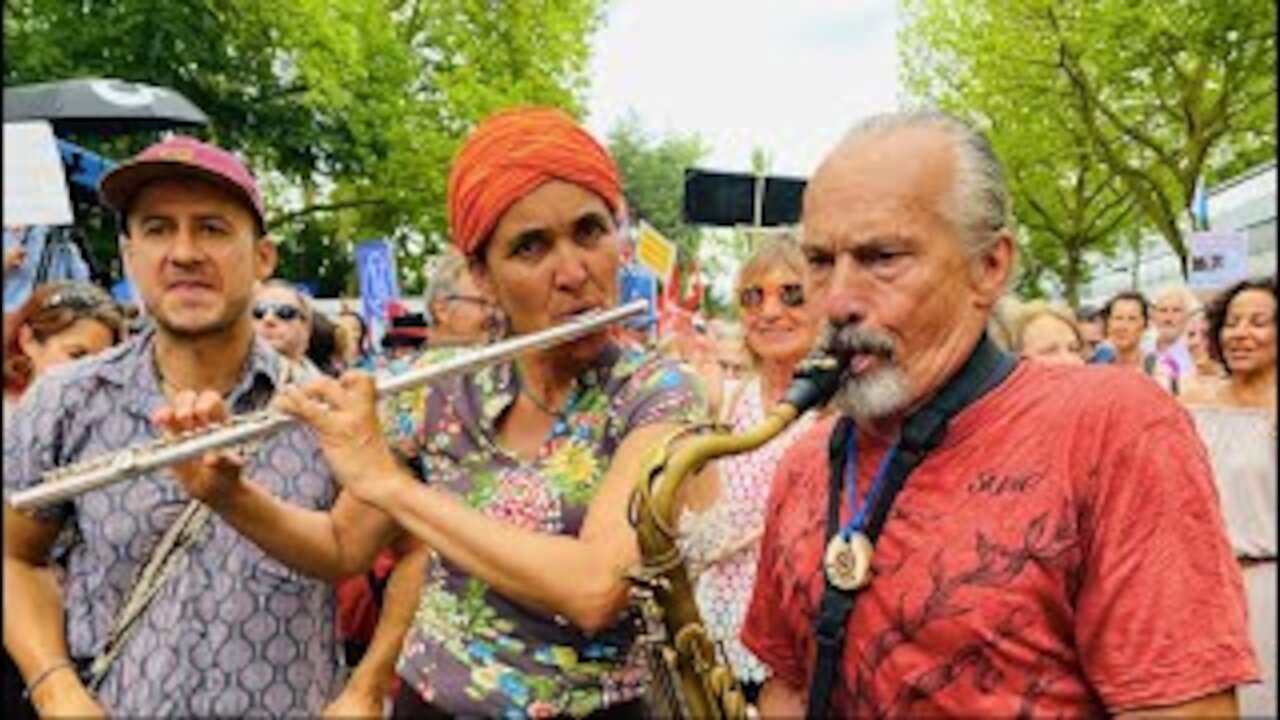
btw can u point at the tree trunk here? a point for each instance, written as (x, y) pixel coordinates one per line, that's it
(1071, 273)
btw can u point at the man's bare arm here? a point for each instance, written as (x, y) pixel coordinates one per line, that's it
(1218, 705)
(780, 700)
(34, 619)
(370, 679)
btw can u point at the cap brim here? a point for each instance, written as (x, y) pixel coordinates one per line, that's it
(121, 185)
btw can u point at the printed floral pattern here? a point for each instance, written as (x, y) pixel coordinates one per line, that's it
(472, 651)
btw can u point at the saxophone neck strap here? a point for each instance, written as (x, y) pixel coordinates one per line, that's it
(922, 432)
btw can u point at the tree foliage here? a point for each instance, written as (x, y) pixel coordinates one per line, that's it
(350, 110)
(653, 177)
(1124, 105)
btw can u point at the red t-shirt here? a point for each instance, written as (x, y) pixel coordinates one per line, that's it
(1061, 552)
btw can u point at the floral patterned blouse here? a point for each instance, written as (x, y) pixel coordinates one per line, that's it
(471, 651)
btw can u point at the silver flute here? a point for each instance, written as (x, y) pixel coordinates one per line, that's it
(67, 482)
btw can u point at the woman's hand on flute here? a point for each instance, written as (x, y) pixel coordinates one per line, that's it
(343, 415)
(212, 475)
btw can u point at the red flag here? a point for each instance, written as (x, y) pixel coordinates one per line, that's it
(693, 296)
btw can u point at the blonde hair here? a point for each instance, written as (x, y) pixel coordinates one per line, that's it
(1036, 309)
(777, 250)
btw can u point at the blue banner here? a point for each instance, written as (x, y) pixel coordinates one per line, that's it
(634, 282)
(376, 268)
(84, 168)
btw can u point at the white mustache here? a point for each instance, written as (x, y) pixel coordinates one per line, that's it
(845, 341)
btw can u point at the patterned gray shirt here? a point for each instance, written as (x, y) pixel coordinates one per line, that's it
(232, 632)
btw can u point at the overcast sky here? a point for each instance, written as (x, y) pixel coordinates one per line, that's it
(789, 76)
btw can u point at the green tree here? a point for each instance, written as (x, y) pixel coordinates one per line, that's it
(1068, 204)
(653, 181)
(350, 110)
(1157, 94)
(653, 177)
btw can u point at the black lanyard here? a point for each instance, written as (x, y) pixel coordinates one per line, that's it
(923, 431)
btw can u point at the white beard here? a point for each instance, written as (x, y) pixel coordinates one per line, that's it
(874, 395)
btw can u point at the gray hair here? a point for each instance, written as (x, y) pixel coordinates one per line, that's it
(980, 206)
(444, 281)
(1189, 300)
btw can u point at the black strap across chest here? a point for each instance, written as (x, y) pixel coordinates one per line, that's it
(923, 431)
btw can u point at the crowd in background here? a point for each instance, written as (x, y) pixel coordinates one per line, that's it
(1216, 352)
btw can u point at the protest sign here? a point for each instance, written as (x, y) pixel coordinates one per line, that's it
(1218, 259)
(35, 187)
(376, 270)
(655, 252)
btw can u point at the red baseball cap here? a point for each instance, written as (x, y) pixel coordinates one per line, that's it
(179, 156)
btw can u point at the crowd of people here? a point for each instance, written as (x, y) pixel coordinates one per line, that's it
(1007, 507)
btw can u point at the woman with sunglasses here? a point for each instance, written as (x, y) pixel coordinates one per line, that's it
(780, 326)
(59, 322)
(1236, 419)
(282, 317)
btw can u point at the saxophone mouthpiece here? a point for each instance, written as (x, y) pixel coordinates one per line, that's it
(815, 379)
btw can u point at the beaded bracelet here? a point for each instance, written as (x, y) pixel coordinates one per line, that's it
(26, 694)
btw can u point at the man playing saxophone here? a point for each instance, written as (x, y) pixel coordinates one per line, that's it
(974, 536)
(169, 609)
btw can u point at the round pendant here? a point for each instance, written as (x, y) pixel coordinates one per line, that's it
(848, 562)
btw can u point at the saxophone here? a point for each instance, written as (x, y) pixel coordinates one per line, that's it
(688, 679)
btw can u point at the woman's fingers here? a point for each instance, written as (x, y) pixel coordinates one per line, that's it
(325, 402)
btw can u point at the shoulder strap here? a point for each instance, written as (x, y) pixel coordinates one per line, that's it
(164, 557)
(829, 627)
(923, 431)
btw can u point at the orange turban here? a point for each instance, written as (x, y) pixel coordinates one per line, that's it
(512, 153)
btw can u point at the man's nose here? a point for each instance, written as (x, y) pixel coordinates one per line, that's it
(771, 305)
(846, 295)
(184, 248)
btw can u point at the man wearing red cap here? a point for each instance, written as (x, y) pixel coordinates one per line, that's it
(221, 628)
(529, 464)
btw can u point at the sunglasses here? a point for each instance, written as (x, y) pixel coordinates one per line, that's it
(791, 295)
(85, 301)
(284, 311)
(77, 297)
